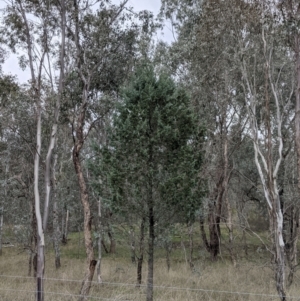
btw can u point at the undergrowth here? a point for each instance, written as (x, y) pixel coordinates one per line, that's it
(251, 279)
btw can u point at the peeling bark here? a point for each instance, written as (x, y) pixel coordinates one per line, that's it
(86, 283)
(267, 168)
(91, 262)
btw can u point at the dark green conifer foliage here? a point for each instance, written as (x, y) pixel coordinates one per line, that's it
(154, 157)
(155, 139)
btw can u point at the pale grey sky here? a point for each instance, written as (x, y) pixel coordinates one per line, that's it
(11, 65)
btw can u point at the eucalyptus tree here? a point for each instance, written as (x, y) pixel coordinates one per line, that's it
(203, 59)
(253, 50)
(18, 197)
(32, 27)
(290, 16)
(215, 97)
(244, 67)
(154, 156)
(268, 85)
(104, 45)
(17, 135)
(8, 88)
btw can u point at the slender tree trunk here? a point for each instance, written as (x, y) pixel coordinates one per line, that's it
(63, 226)
(214, 234)
(132, 245)
(229, 225)
(40, 271)
(168, 260)
(203, 233)
(2, 203)
(85, 71)
(36, 82)
(240, 205)
(297, 114)
(64, 239)
(295, 223)
(112, 247)
(183, 248)
(267, 169)
(139, 270)
(141, 252)
(279, 256)
(99, 243)
(84, 197)
(245, 242)
(1, 227)
(191, 242)
(36, 87)
(79, 240)
(275, 211)
(52, 144)
(214, 219)
(40, 229)
(150, 249)
(91, 262)
(291, 242)
(226, 200)
(230, 232)
(32, 261)
(290, 228)
(56, 230)
(66, 227)
(104, 246)
(168, 248)
(56, 236)
(79, 139)
(86, 283)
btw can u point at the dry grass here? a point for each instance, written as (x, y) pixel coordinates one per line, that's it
(207, 281)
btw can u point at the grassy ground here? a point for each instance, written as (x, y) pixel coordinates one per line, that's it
(206, 281)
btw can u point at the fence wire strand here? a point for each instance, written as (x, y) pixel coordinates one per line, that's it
(175, 288)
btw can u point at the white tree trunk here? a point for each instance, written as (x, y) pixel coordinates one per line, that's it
(40, 230)
(56, 230)
(267, 169)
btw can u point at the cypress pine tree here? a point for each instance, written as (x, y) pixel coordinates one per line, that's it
(154, 155)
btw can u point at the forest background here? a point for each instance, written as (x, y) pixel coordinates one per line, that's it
(121, 148)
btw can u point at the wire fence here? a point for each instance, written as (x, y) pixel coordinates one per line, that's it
(211, 294)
